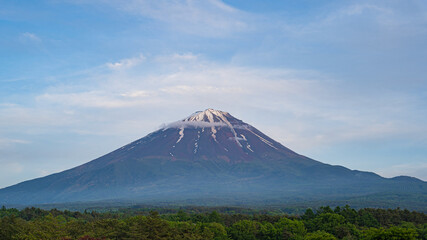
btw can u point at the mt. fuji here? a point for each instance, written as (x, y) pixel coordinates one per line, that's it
(208, 155)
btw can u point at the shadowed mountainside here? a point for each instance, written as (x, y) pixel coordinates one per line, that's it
(209, 154)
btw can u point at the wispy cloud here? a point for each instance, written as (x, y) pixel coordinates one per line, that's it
(178, 57)
(195, 124)
(363, 23)
(136, 94)
(4, 142)
(126, 63)
(357, 10)
(315, 108)
(212, 18)
(30, 37)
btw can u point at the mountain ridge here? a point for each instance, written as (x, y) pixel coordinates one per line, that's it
(209, 153)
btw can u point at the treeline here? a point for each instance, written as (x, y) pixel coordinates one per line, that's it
(323, 223)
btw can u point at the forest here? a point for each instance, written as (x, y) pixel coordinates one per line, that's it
(212, 223)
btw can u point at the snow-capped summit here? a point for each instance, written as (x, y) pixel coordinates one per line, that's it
(210, 118)
(209, 115)
(220, 131)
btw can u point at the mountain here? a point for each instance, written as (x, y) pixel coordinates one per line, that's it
(210, 156)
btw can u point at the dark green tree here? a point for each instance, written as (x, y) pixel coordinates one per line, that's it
(244, 230)
(319, 235)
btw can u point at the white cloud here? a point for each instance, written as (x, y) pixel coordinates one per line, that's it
(34, 119)
(207, 18)
(315, 109)
(195, 124)
(136, 94)
(30, 36)
(8, 105)
(94, 99)
(201, 89)
(358, 9)
(126, 63)
(177, 57)
(364, 24)
(6, 142)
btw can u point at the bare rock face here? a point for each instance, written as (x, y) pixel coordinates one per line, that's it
(209, 154)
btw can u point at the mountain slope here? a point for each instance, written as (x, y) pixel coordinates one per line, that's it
(208, 154)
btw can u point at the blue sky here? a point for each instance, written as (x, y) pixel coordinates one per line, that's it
(343, 82)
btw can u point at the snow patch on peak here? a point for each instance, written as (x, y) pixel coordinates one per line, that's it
(249, 148)
(181, 134)
(213, 130)
(232, 129)
(263, 139)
